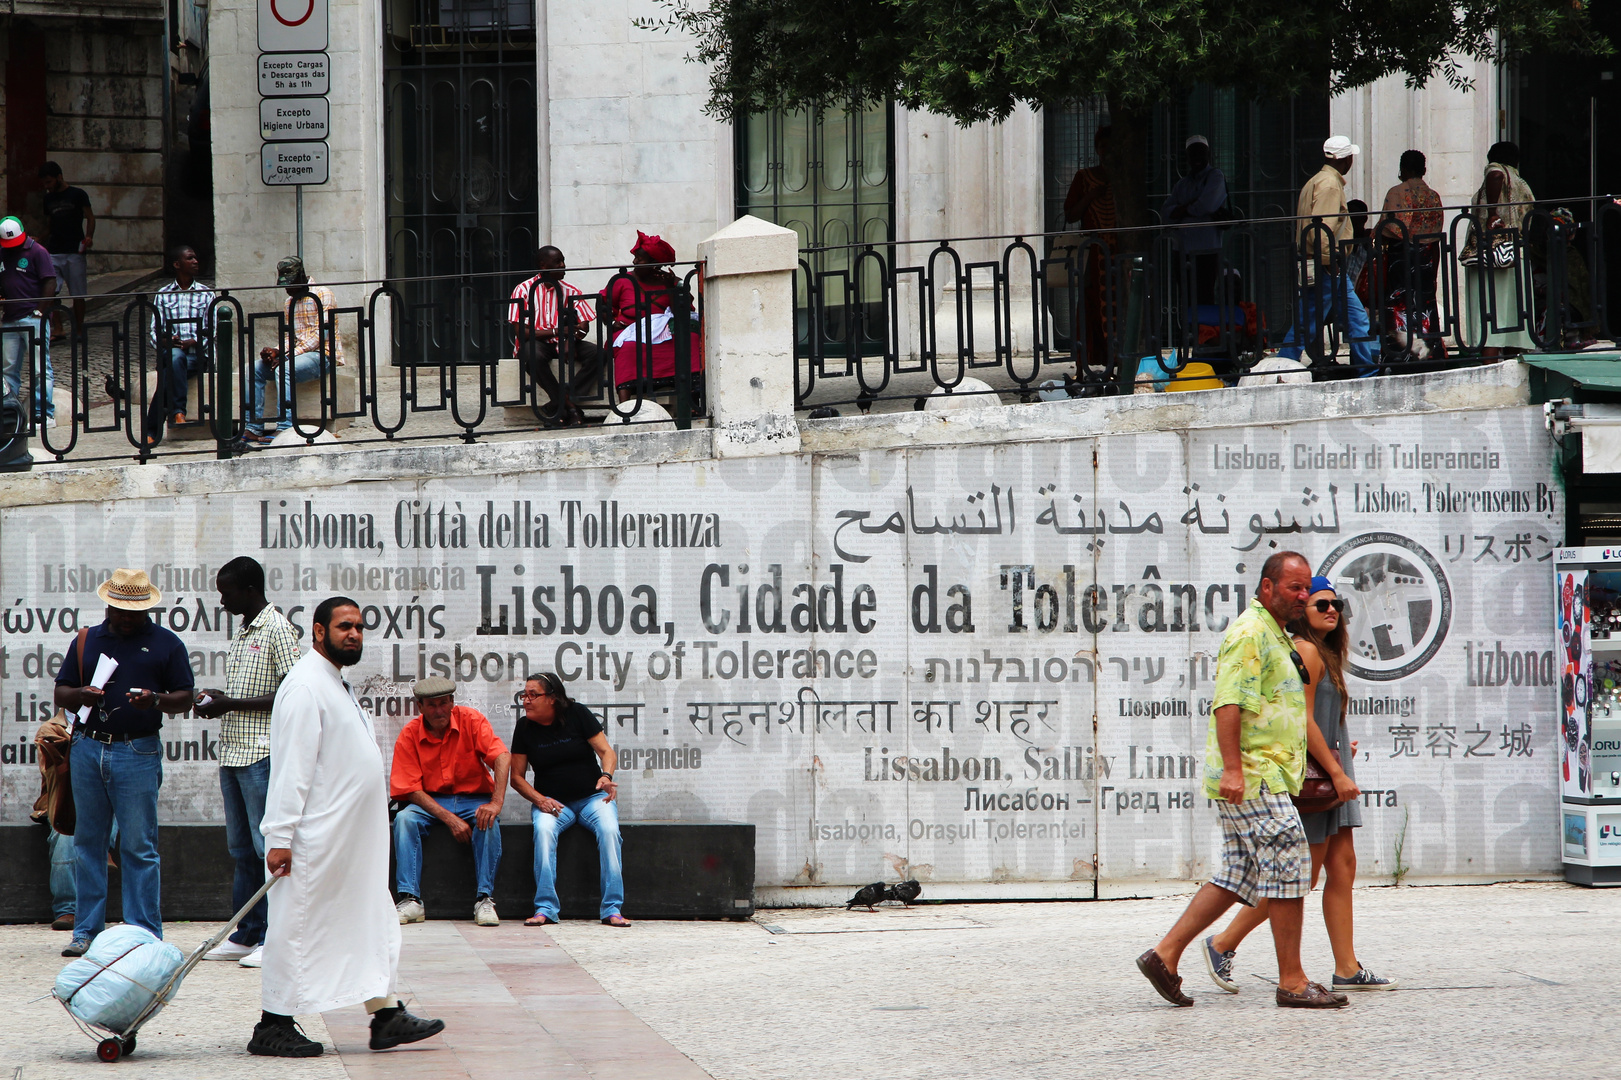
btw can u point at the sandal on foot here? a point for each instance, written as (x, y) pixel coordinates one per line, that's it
(616, 920)
(537, 919)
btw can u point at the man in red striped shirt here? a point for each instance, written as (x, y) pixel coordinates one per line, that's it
(534, 316)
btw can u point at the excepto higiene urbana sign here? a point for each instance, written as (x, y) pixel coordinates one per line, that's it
(980, 663)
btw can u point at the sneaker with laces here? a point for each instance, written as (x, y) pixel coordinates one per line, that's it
(484, 912)
(228, 950)
(1364, 980)
(282, 1040)
(255, 959)
(411, 910)
(77, 947)
(396, 1027)
(1219, 964)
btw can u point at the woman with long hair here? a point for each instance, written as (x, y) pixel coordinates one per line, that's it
(1322, 639)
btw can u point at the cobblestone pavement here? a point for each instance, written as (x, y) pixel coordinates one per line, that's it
(1506, 980)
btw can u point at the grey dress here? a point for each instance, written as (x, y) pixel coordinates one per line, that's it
(1326, 711)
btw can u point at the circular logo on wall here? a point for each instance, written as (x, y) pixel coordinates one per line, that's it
(1400, 604)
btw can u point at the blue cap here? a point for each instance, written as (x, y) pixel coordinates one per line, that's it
(1322, 584)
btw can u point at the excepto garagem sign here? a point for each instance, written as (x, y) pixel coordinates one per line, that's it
(972, 664)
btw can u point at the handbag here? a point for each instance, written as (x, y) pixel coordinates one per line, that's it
(1317, 792)
(1498, 256)
(54, 741)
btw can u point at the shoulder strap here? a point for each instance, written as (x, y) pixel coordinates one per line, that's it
(84, 632)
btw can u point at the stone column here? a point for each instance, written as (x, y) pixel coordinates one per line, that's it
(749, 337)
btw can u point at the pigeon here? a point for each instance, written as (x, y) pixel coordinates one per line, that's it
(905, 892)
(867, 894)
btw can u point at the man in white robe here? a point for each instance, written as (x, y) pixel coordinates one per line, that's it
(334, 936)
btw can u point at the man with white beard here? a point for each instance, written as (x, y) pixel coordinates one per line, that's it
(334, 936)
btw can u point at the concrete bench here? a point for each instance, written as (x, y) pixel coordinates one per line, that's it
(308, 395)
(673, 870)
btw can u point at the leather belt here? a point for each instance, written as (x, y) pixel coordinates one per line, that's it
(110, 737)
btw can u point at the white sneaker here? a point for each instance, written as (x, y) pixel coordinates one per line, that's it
(484, 912)
(227, 950)
(254, 959)
(410, 910)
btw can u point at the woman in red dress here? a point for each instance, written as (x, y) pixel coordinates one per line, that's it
(644, 343)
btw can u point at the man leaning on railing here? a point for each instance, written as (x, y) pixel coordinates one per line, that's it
(308, 307)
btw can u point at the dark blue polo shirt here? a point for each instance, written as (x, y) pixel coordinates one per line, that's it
(154, 659)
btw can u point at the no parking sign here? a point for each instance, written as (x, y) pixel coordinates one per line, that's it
(292, 25)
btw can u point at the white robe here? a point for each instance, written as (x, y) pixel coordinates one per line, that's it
(334, 936)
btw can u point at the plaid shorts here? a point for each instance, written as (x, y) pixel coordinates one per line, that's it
(1263, 849)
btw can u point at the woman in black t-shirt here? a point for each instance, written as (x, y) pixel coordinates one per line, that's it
(573, 763)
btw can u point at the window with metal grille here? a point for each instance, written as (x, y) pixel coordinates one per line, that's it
(461, 154)
(829, 176)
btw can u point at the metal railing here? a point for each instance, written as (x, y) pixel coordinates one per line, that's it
(418, 358)
(1082, 314)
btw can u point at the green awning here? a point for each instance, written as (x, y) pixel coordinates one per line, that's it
(1601, 372)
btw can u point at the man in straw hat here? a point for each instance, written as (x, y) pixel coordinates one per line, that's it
(333, 938)
(117, 758)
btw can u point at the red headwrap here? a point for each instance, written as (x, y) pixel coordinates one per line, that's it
(653, 247)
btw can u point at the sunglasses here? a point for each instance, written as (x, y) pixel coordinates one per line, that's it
(1322, 606)
(1300, 666)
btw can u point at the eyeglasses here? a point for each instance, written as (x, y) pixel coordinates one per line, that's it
(532, 695)
(1322, 606)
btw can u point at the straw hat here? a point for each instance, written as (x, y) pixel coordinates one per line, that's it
(129, 589)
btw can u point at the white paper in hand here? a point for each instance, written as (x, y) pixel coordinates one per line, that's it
(105, 666)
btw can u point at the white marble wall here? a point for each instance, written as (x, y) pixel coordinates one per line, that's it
(630, 145)
(254, 225)
(1454, 128)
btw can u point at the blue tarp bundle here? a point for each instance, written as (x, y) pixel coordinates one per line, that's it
(119, 976)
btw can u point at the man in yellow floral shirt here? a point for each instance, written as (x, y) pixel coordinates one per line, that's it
(1255, 758)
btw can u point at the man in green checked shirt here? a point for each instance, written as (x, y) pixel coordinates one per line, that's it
(263, 649)
(1255, 758)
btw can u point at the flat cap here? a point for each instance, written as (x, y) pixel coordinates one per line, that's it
(438, 686)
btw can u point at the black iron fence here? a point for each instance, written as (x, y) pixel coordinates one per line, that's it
(1084, 314)
(218, 371)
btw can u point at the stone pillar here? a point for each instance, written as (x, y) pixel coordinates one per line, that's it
(749, 337)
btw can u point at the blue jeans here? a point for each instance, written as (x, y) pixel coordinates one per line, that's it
(244, 787)
(14, 350)
(412, 824)
(304, 367)
(170, 397)
(62, 864)
(117, 779)
(1347, 311)
(599, 815)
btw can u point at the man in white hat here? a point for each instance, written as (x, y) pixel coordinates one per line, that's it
(1325, 227)
(117, 757)
(333, 938)
(27, 283)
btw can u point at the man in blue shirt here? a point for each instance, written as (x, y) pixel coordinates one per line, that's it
(1196, 198)
(117, 757)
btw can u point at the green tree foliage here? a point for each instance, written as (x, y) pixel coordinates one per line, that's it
(977, 60)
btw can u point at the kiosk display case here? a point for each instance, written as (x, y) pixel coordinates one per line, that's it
(1587, 648)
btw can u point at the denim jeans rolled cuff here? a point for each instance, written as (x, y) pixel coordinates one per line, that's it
(117, 781)
(600, 816)
(14, 358)
(1332, 296)
(243, 789)
(413, 823)
(63, 861)
(303, 368)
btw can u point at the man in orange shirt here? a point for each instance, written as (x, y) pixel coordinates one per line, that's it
(443, 761)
